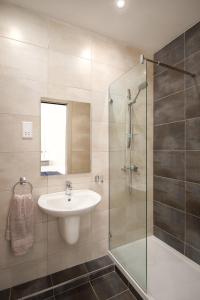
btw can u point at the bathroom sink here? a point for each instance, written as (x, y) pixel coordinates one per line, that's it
(68, 209)
(61, 205)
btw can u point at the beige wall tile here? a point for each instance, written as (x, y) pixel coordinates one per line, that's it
(69, 70)
(5, 279)
(7, 259)
(99, 106)
(80, 40)
(27, 271)
(113, 53)
(103, 75)
(40, 217)
(119, 137)
(99, 225)
(103, 190)
(22, 25)
(100, 164)
(5, 198)
(99, 136)
(27, 61)
(117, 162)
(19, 95)
(99, 248)
(15, 165)
(6, 133)
(59, 91)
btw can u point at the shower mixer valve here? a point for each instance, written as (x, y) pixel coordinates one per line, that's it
(131, 168)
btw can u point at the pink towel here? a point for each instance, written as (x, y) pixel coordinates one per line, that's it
(20, 224)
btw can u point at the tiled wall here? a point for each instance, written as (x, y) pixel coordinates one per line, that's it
(44, 58)
(177, 145)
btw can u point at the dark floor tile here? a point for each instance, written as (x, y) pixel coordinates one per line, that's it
(42, 296)
(122, 276)
(108, 286)
(192, 65)
(192, 253)
(127, 295)
(168, 82)
(169, 164)
(170, 136)
(83, 292)
(71, 285)
(170, 220)
(193, 102)
(134, 292)
(193, 198)
(193, 134)
(171, 53)
(192, 40)
(193, 231)
(101, 272)
(98, 263)
(169, 239)
(31, 287)
(169, 109)
(193, 166)
(5, 294)
(169, 191)
(69, 273)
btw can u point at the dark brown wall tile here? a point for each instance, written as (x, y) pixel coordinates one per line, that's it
(193, 134)
(193, 198)
(192, 40)
(169, 239)
(169, 109)
(170, 136)
(192, 253)
(177, 102)
(193, 102)
(193, 231)
(171, 53)
(193, 166)
(192, 65)
(170, 220)
(168, 82)
(169, 164)
(170, 192)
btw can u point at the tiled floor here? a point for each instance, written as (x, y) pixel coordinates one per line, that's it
(94, 280)
(109, 286)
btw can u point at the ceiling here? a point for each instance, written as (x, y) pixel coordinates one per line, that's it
(145, 24)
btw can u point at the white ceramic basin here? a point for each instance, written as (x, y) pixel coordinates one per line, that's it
(69, 209)
(61, 205)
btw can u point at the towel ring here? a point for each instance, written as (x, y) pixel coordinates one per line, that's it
(23, 181)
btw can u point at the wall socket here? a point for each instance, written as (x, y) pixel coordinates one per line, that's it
(27, 130)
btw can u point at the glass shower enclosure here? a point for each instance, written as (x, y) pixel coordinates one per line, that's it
(128, 173)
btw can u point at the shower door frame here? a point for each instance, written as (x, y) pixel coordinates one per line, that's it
(130, 278)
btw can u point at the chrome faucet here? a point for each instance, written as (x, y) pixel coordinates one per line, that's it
(68, 190)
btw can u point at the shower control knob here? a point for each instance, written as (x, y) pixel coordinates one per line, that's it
(124, 169)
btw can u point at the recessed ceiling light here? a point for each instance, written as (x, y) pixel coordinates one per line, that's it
(120, 3)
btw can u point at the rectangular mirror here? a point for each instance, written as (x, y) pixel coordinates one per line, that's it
(65, 137)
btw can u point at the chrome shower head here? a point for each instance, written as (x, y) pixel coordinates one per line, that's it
(141, 87)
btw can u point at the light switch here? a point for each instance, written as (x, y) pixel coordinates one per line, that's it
(27, 130)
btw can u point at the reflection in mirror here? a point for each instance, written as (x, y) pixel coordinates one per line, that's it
(65, 137)
(53, 138)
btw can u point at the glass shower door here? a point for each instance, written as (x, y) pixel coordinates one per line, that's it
(127, 165)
